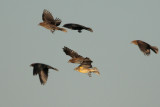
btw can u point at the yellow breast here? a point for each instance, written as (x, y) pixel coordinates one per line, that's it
(83, 70)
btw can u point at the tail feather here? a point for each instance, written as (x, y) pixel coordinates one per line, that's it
(89, 29)
(95, 70)
(62, 29)
(154, 49)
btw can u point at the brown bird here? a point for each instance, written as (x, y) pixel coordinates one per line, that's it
(50, 23)
(77, 27)
(86, 67)
(76, 58)
(145, 47)
(85, 63)
(42, 70)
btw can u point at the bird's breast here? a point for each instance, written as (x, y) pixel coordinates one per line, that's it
(47, 26)
(83, 70)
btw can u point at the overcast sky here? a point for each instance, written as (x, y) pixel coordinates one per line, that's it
(128, 78)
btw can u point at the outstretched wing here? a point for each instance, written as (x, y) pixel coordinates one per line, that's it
(47, 17)
(43, 75)
(71, 53)
(36, 70)
(86, 63)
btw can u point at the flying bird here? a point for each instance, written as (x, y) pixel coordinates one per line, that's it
(76, 58)
(86, 67)
(145, 47)
(85, 63)
(50, 23)
(77, 27)
(42, 71)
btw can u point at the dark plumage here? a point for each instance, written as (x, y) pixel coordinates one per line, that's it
(47, 17)
(50, 23)
(76, 58)
(77, 27)
(42, 71)
(145, 47)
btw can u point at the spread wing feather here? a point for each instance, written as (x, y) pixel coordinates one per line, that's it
(71, 53)
(86, 63)
(47, 17)
(43, 76)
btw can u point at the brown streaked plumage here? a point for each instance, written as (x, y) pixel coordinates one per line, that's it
(86, 67)
(145, 47)
(50, 23)
(76, 58)
(42, 71)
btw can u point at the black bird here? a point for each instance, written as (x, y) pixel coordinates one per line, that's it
(77, 27)
(42, 71)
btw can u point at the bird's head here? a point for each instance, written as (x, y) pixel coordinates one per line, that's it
(72, 61)
(134, 42)
(76, 69)
(64, 26)
(41, 24)
(31, 65)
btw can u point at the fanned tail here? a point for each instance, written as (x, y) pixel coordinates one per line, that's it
(154, 49)
(95, 70)
(62, 29)
(89, 29)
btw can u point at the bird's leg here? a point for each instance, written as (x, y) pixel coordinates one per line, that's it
(52, 31)
(89, 74)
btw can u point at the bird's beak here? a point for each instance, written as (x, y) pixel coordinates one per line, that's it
(75, 69)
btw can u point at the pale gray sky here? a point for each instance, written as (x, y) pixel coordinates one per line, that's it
(128, 78)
